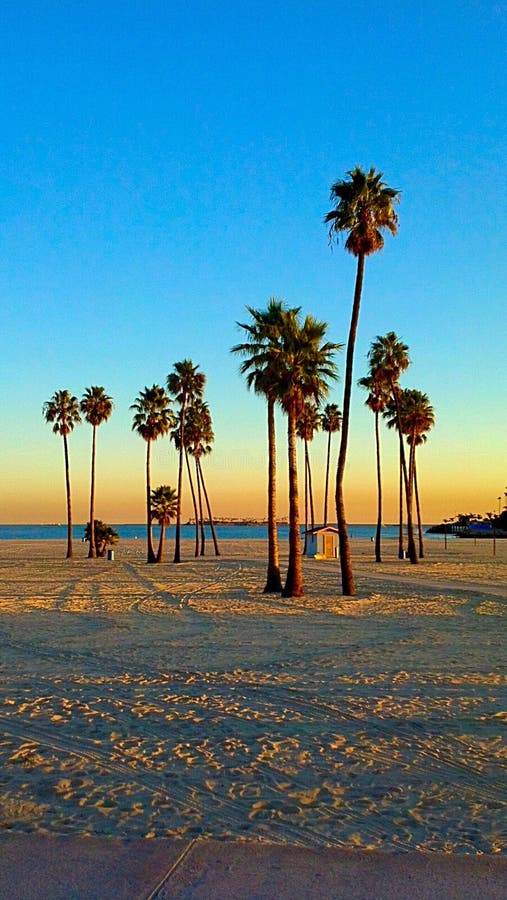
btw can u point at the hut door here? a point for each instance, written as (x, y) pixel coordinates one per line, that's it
(328, 545)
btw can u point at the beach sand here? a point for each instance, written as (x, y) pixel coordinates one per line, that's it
(181, 702)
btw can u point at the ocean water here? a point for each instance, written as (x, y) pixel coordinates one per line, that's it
(224, 532)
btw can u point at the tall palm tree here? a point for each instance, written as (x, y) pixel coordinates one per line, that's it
(153, 418)
(62, 411)
(96, 407)
(304, 365)
(331, 422)
(199, 437)
(175, 437)
(364, 209)
(418, 419)
(185, 384)
(163, 509)
(390, 355)
(378, 397)
(307, 424)
(392, 422)
(259, 366)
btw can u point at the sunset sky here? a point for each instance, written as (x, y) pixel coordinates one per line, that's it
(165, 164)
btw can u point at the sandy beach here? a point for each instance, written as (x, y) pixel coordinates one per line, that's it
(179, 701)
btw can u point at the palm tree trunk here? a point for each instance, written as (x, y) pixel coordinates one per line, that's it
(305, 544)
(210, 515)
(91, 549)
(418, 507)
(294, 581)
(199, 498)
(328, 460)
(160, 552)
(273, 577)
(69, 505)
(378, 550)
(194, 502)
(348, 586)
(310, 488)
(177, 538)
(151, 553)
(401, 549)
(411, 547)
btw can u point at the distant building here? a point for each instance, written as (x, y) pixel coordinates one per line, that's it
(322, 543)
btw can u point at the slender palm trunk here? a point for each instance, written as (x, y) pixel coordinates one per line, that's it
(199, 498)
(348, 586)
(326, 490)
(273, 578)
(91, 549)
(160, 552)
(418, 508)
(194, 502)
(411, 547)
(69, 505)
(294, 581)
(378, 549)
(151, 553)
(305, 544)
(310, 487)
(401, 549)
(177, 539)
(210, 514)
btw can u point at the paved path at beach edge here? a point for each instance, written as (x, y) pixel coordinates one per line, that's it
(41, 866)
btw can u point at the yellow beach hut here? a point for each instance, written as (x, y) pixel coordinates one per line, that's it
(322, 543)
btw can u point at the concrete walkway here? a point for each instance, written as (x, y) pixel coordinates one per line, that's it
(71, 868)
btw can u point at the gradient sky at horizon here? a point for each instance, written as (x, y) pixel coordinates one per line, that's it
(164, 165)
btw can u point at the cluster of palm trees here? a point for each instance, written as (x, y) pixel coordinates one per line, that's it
(363, 210)
(411, 414)
(63, 411)
(287, 360)
(191, 429)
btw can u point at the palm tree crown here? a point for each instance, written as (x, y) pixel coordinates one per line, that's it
(163, 504)
(62, 411)
(364, 208)
(153, 415)
(96, 405)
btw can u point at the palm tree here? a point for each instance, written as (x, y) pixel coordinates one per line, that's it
(103, 535)
(304, 365)
(307, 424)
(331, 422)
(378, 397)
(153, 418)
(62, 411)
(392, 422)
(199, 437)
(164, 504)
(418, 419)
(364, 208)
(185, 384)
(175, 437)
(260, 369)
(96, 407)
(390, 355)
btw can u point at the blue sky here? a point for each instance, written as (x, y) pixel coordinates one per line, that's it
(163, 165)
